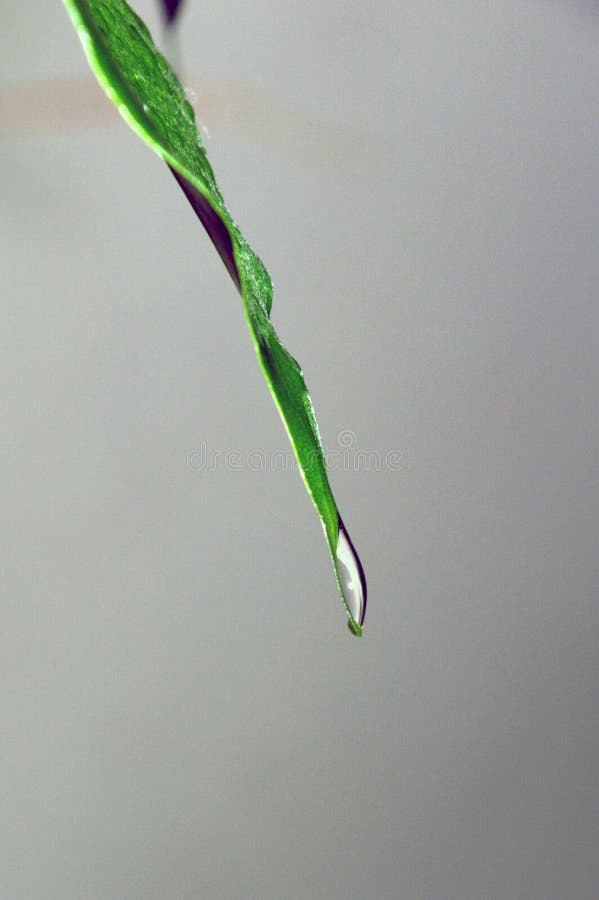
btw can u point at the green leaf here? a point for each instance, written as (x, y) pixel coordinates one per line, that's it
(140, 82)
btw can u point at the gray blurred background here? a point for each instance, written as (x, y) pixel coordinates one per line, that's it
(184, 713)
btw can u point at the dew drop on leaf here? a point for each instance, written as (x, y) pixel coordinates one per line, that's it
(351, 576)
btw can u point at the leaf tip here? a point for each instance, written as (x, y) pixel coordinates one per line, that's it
(354, 628)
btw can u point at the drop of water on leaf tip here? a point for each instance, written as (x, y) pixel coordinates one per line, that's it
(351, 576)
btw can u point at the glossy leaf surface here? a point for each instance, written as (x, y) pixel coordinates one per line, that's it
(141, 83)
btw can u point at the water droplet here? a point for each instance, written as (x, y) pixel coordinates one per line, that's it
(190, 95)
(204, 131)
(351, 576)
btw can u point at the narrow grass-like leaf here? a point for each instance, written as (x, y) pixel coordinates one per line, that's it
(140, 82)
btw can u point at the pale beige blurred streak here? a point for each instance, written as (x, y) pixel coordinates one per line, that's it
(222, 107)
(63, 105)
